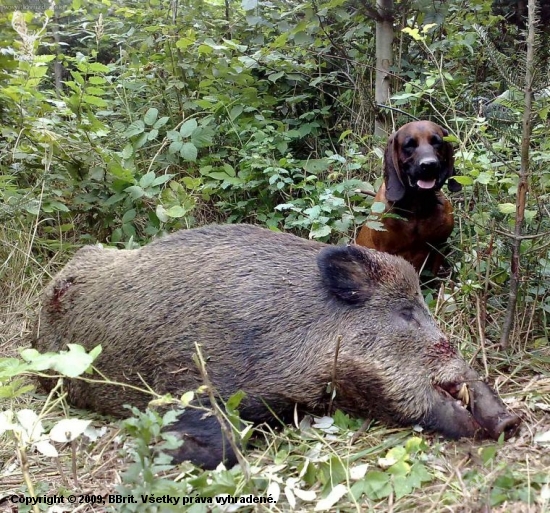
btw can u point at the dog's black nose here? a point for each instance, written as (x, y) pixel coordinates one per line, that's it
(428, 164)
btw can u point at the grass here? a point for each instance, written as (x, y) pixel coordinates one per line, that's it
(303, 466)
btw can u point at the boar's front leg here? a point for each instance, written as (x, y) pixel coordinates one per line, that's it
(204, 442)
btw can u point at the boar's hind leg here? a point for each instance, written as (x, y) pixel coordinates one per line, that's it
(204, 443)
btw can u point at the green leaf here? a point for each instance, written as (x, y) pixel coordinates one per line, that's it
(71, 363)
(94, 100)
(97, 80)
(191, 183)
(176, 211)
(404, 96)
(96, 351)
(172, 135)
(127, 152)
(96, 91)
(189, 151)
(229, 169)
(249, 5)
(320, 231)
(135, 128)
(120, 172)
(273, 77)
(97, 67)
(10, 367)
(302, 38)
(463, 180)
(79, 79)
(530, 214)
(203, 136)
(205, 49)
(235, 112)
(234, 401)
(175, 147)
(135, 191)
(44, 58)
(315, 166)
(393, 456)
(186, 398)
(402, 486)
(344, 134)
(161, 122)
(147, 179)
(184, 42)
(488, 453)
(484, 178)
(378, 207)
(140, 141)
(219, 175)
(151, 116)
(419, 474)
(415, 444)
(507, 208)
(53, 206)
(188, 127)
(377, 485)
(161, 214)
(159, 180)
(400, 468)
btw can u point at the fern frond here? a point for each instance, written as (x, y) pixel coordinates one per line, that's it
(512, 74)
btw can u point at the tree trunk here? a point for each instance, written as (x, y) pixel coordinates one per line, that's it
(523, 184)
(384, 59)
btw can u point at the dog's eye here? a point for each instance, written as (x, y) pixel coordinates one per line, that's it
(436, 140)
(409, 144)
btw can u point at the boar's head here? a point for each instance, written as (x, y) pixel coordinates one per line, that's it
(394, 361)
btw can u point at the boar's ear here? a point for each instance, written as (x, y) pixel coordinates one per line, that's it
(349, 272)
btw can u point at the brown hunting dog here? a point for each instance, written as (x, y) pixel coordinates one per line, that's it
(417, 162)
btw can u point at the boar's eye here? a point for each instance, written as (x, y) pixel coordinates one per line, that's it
(407, 314)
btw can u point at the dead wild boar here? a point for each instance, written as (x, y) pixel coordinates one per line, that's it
(267, 309)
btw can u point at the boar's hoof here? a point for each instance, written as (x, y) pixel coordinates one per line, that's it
(204, 443)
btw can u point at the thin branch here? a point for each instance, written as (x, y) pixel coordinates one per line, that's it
(395, 109)
(522, 237)
(334, 376)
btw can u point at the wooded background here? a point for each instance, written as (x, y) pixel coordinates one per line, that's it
(122, 120)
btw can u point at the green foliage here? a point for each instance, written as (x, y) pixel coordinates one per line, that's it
(182, 124)
(403, 471)
(507, 485)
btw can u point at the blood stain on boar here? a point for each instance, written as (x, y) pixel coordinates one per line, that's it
(58, 292)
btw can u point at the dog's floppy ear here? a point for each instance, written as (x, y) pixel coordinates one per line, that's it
(395, 188)
(448, 168)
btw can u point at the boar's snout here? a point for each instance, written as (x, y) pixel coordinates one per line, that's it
(471, 409)
(490, 413)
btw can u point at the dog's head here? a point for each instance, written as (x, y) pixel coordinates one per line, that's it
(418, 159)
